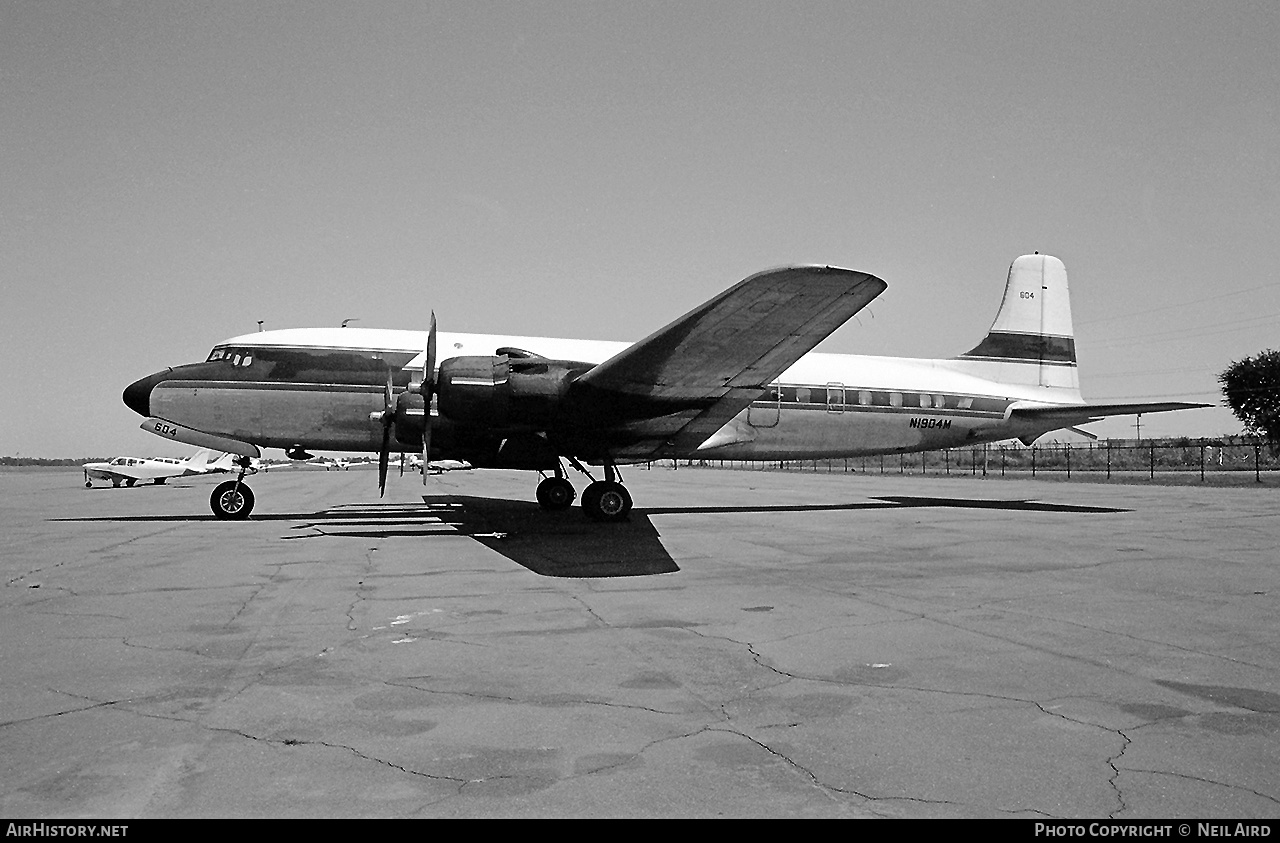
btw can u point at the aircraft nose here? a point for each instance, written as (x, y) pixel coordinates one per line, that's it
(137, 395)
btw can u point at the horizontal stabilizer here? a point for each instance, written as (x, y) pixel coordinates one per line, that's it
(1079, 413)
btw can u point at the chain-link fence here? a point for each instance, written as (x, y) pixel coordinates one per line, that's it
(1229, 459)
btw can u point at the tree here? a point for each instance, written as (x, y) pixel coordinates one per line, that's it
(1252, 390)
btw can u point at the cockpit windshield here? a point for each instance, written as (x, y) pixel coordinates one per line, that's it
(234, 356)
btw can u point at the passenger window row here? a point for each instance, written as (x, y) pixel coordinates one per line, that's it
(851, 396)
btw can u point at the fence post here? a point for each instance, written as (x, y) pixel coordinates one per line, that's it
(1067, 446)
(1153, 460)
(1033, 460)
(1201, 460)
(1257, 459)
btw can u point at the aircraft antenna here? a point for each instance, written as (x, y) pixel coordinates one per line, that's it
(345, 321)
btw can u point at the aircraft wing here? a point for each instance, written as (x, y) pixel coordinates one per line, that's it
(107, 474)
(682, 383)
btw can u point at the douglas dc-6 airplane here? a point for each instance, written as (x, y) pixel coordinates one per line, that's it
(731, 379)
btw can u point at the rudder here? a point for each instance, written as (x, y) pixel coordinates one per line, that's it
(1032, 339)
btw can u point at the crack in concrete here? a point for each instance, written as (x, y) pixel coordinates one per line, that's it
(1114, 778)
(559, 703)
(289, 742)
(1108, 632)
(796, 766)
(295, 742)
(36, 717)
(369, 568)
(1202, 780)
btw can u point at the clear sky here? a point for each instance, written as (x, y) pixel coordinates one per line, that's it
(173, 172)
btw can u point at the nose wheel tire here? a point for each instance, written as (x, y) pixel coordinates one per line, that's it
(555, 493)
(606, 501)
(231, 501)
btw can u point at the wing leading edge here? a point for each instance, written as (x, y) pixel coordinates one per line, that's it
(670, 391)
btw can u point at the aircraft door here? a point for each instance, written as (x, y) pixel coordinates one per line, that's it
(766, 411)
(835, 397)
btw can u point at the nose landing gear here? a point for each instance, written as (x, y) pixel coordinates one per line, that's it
(232, 500)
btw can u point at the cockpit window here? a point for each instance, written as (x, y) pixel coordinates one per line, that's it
(234, 356)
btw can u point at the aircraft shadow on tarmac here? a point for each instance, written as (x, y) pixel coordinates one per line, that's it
(564, 543)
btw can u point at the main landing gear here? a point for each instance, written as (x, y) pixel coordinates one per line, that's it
(232, 500)
(602, 500)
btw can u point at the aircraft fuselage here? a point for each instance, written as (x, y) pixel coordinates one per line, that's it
(301, 387)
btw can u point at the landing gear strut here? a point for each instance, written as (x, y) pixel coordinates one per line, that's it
(602, 500)
(556, 492)
(232, 500)
(607, 499)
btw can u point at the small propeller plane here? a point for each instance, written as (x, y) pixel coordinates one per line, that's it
(129, 470)
(413, 462)
(734, 378)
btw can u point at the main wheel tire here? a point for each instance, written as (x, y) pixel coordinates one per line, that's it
(556, 493)
(606, 501)
(231, 501)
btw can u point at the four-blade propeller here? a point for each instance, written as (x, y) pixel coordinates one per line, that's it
(426, 387)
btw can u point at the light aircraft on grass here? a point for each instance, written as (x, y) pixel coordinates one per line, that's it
(732, 379)
(129, 470)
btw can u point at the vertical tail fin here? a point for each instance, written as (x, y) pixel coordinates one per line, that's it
(223, 462)
(1031, 342)
(199, 459)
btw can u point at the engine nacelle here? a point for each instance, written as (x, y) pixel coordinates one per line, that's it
(410, 418)
(491, 392)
